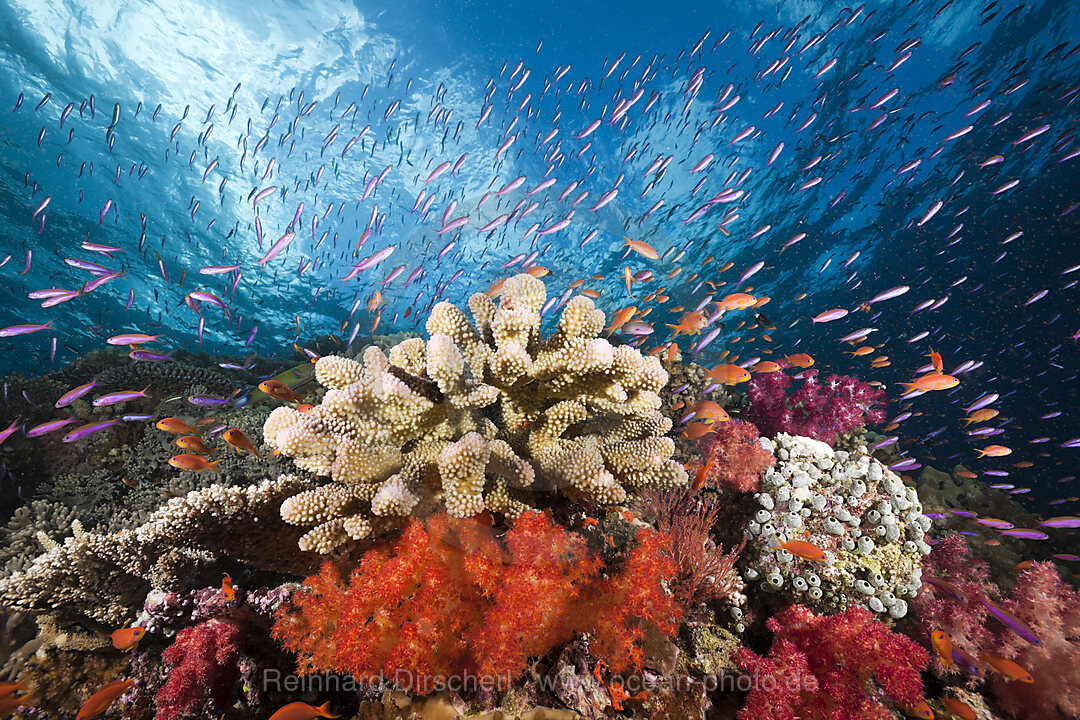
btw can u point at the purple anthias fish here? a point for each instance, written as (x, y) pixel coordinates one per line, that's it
(89, 429)
(119, 397)
(1012, 622)
(50, 426)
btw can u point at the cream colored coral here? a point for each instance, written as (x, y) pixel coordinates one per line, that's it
(482, 409)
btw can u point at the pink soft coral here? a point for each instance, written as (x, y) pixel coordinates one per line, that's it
(964, 620)
(831, 668)
(734, 459)
(1051, 609)
(205, 670)
(818, 410)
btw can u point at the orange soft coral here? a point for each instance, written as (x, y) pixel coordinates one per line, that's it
(448, 598)
(733, 458)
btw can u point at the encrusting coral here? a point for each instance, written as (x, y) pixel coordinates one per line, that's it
(476, 415)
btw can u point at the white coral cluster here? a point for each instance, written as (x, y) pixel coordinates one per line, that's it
(474, 415)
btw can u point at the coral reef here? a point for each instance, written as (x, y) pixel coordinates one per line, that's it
(448, 598)
(475, 417)
(106, 577)
(734, 457)
(869, 525)
(817, 409)
(831, 668)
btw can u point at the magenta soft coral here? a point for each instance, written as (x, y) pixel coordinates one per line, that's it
(205, 670)
(1051, 608)
(818, 410)
(831, 668)
(733, 457)
(964, 620)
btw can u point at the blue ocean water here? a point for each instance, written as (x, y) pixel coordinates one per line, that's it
(151, 127)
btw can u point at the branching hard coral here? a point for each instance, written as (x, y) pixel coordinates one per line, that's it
(476, 417)
(831, 668)
(733, 457)
(818, 410)
(1051, 609)
(204, 670)
(703, 570)
(106, 577)
(448, 598)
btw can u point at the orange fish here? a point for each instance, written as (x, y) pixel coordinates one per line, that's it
(959, 708)
(689, 324)
(227, 590)
(729, 374)
(280, 391)
(496, 288)
(935, 358)
(801, 548)
(175, 425)
(763, 300)
(621, 318)
(942, 645)
(103, 698)
(703, 473)
(127, 638)
(1025, 565)
(537, 271)
(642, 248)
(629, 278)
(195, 444)
(695, 430)
(932, 381)
(375, 301)
(1007, 668)
(994, 451)
(9, 688)
(800, 360)
(922, 710)
(967, 474)
(304, 408)
(737, 301)
(193, 463)
(864, 350)
(240, 441)
(591, 294)
(709, 412)
(302, 711)
(767, 366)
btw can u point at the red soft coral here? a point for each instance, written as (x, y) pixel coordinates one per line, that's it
(964, 620)
(734, 459)
(448, 598)
(1051, 609)
(853, 659)
(205, 670)
(818, 410)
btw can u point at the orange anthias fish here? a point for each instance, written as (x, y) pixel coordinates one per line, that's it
(689, 324)
(800, 360)
(280, 391)
(240, 441)
(703, 473)
(642, 248)
(942, 645)
(922, 710)
(737, 301)
(103, 698)
(864, 350)
(1007, 668)
(127, 638)
(801, 548)
(729, 374)
(375, 301)
(302, 711)
(621, 318)
(537, 271)
(767, 366)
(709, 412)
(175, 425)
(195, 444)
(227, 590)
(695, 430)
(629, 277)
(959, 708)
(193, 463)
(935, 358)
(994, 451)
(932, 381)
(980, 416)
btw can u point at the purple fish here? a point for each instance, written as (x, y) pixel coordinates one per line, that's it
(48, 427)
(1014, 623)
(72, 395)
(89, 429)
(119, 397)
